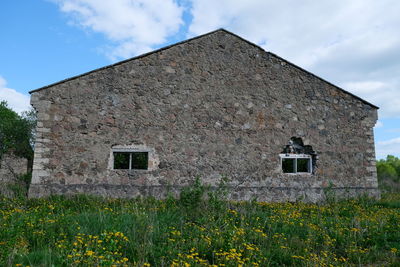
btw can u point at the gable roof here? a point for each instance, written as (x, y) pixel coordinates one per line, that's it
(198, 37)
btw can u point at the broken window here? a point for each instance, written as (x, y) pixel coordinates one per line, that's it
(296, 163)
(298, 158)
(131, 160)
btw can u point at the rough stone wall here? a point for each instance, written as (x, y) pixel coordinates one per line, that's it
(210, 107)
(11, 167)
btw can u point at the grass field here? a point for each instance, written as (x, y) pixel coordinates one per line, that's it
(82, 230)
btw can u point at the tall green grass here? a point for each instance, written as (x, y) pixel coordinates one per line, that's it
(85, 230)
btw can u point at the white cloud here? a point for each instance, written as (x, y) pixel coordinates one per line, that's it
(386, 95)
(389, 147)
(354, 44)
(378, 124)
(16, 101)
(133, 26)
(304, 31)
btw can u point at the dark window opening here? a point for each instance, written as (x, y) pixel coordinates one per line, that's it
(131, 160)
(288, 165)
(140, 160)
(293, 164)
(121, 161)
(303, 165)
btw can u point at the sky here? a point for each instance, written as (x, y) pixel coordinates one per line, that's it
(354, 44)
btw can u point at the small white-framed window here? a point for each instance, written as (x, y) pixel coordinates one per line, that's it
(296, 163)
(130, 160)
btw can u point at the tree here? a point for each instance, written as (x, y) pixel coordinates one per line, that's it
(386, 171)
(389, 173)
(394, 162)
(16, 132)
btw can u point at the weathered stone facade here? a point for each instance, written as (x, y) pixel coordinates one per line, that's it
(212, 106)
(11, 167)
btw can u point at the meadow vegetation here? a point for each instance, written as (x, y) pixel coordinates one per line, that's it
(191, 231)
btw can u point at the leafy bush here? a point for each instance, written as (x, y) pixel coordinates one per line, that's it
(191, 197)
(389, 173)
(16, 132)
(217, 199)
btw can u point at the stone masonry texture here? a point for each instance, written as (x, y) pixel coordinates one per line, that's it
(211, 107)
(11, 167)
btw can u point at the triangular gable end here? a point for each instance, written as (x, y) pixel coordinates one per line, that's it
(195, 38)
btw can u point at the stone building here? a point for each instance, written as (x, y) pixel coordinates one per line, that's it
(11, 167)
(210, 107)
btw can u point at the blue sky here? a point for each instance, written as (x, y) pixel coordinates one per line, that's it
(355, 45)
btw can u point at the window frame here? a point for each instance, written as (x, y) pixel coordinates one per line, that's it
(296, 157)
(130, 151)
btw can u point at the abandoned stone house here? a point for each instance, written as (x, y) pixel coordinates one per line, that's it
(210, 107)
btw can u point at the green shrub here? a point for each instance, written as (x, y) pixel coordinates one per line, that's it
(191, 197)
(389, 173)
